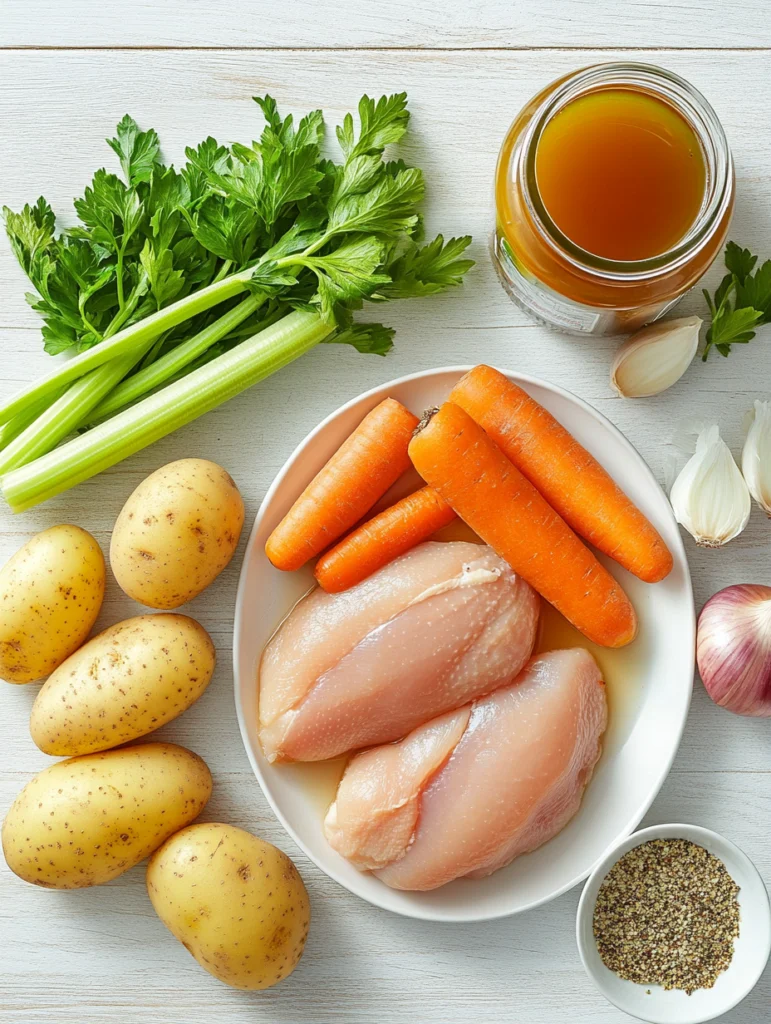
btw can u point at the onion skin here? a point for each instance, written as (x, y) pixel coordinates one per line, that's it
(733, 649)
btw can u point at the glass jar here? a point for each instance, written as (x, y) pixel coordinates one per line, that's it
(563, 285)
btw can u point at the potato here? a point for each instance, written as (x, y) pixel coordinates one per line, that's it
(234, 901)
(51, 592)
(132, 678)
(176, 533)
(86, 820)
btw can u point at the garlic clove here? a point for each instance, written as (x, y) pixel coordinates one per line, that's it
(756, 456)
(656, 357)
(710, 497)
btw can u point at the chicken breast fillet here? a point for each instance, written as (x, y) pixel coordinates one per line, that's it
(438, 627)
(465, 794)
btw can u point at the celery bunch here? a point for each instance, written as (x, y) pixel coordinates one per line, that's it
(180, 289)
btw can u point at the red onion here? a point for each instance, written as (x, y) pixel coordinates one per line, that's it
(733, 649)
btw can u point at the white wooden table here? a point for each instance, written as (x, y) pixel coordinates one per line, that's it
(68, 70)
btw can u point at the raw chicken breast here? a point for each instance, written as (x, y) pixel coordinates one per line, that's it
(425, 811)
(438, 627)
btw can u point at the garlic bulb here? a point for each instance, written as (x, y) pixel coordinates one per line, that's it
(709, 497)
(756, 457)
(654, 358)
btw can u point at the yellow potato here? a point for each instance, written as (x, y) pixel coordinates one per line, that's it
(234, 901)
(86, 820)
(132, 678)
(176, 533)
(50, 595)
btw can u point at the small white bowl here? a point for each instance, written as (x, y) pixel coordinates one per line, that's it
(751, 949)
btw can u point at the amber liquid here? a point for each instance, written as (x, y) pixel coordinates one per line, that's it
(621, 173)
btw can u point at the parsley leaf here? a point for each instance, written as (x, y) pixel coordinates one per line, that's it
(742, 301)
(731, 327)
(740, 262)
(755, 291)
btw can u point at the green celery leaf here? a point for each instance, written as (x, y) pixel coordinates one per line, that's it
(310, 129)
(138, 151)
(111, 212)
(297, 238)
(285, 176)
(228, 229)
(58, 337)
(388, 208)
(169, 191)
(380, 123)
(740, 262)
(432, 268)
(370, 339)
(212, 162)
(356, 176)
(165, 282)
(268, 278)
(196, 263)
(348, 273)
(30, 232)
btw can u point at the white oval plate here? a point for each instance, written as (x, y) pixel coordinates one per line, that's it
(644, 731)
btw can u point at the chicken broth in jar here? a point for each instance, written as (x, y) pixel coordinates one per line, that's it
(614, 190)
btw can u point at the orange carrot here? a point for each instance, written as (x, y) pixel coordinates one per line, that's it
(382, 538)
(360, 472)
(454, 455)
(570, 479)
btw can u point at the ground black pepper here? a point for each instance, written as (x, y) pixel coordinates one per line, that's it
(667, 914)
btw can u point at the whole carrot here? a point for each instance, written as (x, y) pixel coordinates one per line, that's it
(570, 479)
(360, 472)
(381, 539)
(455, 456)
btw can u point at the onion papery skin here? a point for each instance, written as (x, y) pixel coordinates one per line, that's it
(733, 649)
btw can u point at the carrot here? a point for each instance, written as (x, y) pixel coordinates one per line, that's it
(570, 479)
(378, 541)
(454, 455)
(360, 472)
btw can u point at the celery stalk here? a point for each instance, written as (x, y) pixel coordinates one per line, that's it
(20, 422)
(158, 415)
(156, 373)
(126, 341)
(68, 411)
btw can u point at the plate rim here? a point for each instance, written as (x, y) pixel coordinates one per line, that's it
(418, 913)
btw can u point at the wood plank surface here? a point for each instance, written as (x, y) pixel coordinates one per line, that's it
(429, 24)
(101, 956)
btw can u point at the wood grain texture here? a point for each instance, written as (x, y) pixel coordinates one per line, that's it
(101, 956)
(341, 24)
